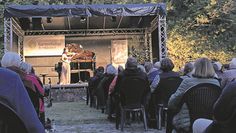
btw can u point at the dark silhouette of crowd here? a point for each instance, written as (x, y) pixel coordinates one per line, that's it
(199, 98)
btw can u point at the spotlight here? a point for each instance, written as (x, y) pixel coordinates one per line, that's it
(49, 20)
(82, 19)
(113, 19)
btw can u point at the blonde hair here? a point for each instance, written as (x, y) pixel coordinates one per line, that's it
(11, 59)
(203, 68)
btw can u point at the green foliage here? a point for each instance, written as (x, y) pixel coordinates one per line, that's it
(201, 28)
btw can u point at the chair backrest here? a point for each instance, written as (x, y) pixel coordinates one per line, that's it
(10, 121)
(200, 100)
(165, 88)
(132, 91)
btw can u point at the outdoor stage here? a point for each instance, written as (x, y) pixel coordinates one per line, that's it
(69, 92)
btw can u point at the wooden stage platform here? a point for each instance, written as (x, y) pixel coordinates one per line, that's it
(58, 86)
(69, 92)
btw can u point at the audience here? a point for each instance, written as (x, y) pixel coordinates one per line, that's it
(13, 62)
(13, 93)
(203, 73)
(107, 88)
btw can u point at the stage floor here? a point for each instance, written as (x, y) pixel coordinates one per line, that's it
(58, 86)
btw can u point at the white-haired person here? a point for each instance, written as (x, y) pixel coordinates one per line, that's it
(229, 75)
(14, 93)
(152, 72)
(203, 73)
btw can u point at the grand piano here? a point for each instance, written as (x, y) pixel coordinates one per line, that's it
(83, 63)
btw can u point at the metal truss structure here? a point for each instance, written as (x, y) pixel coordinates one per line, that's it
(8, 35)
(162, 36)
(12, 27)
(89, 32)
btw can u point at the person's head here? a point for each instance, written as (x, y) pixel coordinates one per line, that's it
(11, 59)
(26, 67)
(232, 64)
(65, 50)
(120, 68)
(188, 67)
(157, 65)
(99, 70)
(217, 66)
(110, 69)
(131, 63)
(167, 65)
(203, 68)
(148, 66)
(142, 68)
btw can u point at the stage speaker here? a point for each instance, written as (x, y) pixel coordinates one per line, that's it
(24, 23)
(87, 65)
(36, 22)
(85, 76)
(74, 78)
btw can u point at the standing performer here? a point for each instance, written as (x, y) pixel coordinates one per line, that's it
(65, 72)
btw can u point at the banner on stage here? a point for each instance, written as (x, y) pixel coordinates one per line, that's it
(119, 52)
(45, 45)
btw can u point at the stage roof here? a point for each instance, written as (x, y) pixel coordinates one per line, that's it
(82, 17)
(21, 11)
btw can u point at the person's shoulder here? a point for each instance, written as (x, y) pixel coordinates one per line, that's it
(7, 72)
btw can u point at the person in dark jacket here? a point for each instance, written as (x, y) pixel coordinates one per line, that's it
(224, 112)
(103, 87)
(131, 71)
(93, 83)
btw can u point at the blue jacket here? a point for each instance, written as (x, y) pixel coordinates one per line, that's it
(14, 94)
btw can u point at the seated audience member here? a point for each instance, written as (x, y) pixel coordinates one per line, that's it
(131, 71)
(111, 97)
(224, 114)
(13, 93)
(27, 68)
(188, 68)
(93, 83)
(167, 67)
(162, 87)
(103, 87)
(152, 72)
(203, 73)
(229, 75)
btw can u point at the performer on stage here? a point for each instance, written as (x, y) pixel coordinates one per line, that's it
(65, 72)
